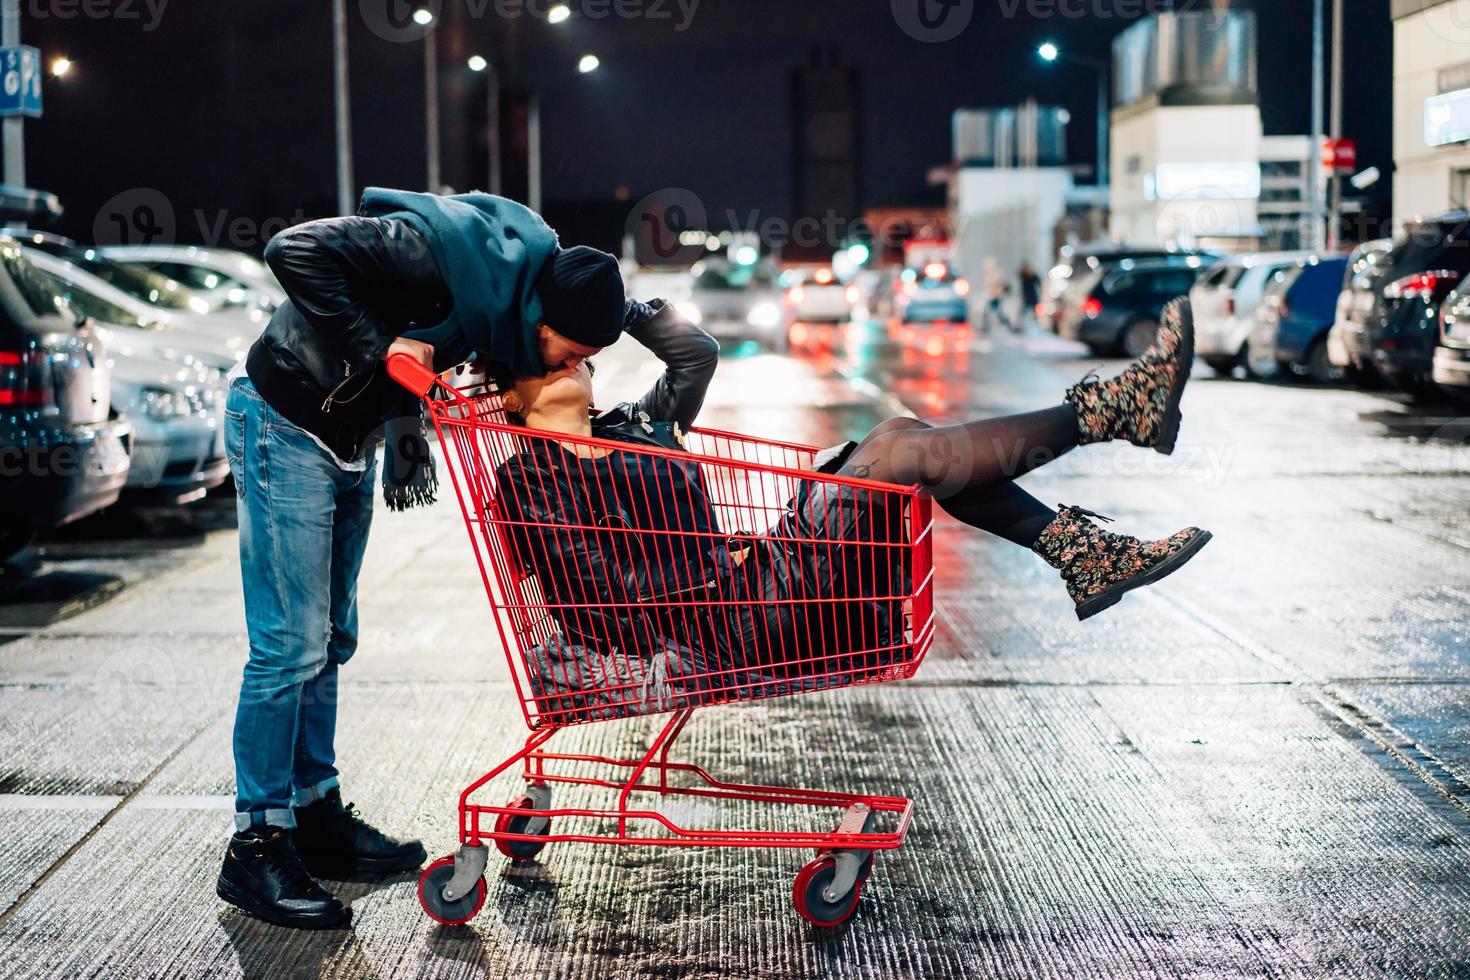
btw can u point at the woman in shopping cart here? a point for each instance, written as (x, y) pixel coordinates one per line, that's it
(629, 552)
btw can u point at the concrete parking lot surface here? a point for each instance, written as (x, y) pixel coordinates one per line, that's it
(1258, 767)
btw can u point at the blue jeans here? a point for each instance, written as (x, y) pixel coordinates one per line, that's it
(303, 526)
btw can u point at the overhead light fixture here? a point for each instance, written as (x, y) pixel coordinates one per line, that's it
(60, 66)
(589, 63)
(558, 13)
(423, 17)
(1049, 52)
(478, 63)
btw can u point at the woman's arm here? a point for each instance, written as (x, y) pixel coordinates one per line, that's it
(690, 357)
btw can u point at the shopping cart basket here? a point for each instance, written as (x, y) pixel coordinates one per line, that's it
(732, 631)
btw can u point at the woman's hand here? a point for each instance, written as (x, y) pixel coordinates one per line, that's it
(416, 349)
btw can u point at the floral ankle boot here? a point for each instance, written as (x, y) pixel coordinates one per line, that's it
(1141, 405)
(1100, 566)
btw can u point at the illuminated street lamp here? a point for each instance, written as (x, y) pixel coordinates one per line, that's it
(1050, 53)
(588, 64)
(477, 63)
(558, 13)
(60, 66)
(423, 17)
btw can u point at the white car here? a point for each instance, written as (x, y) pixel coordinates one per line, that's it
(177, 412)
(224, 276)
(1224, 301)
(821, 299)
(734, 303)
(220, 339)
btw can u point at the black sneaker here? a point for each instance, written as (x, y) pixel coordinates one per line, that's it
(335, 842)
(263, 876)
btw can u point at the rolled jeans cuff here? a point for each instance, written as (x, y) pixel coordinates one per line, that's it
(266, 818)
(309, 795)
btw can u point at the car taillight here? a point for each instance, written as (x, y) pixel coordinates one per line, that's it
(1421, 285)
(851, 294)
(1092, 307)
(23, 381)
(795, 295)
(1230, 306)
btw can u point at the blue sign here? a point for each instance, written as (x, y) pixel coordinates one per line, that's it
(20, 81)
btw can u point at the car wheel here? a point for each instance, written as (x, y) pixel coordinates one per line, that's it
(1320, 369)
(1223, 366)
(1259, 366)
(1139, 336)
(14, 540)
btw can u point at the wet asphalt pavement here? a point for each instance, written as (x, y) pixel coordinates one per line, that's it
(1258, 767)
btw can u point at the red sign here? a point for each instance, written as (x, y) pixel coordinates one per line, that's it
(1340, 155)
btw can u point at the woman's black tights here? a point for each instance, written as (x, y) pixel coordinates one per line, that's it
(969, 469)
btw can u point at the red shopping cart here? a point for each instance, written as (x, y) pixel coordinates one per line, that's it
(740, 627)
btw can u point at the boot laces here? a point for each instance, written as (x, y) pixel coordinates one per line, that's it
(353, 818)
(1083, 512)
(277, 850)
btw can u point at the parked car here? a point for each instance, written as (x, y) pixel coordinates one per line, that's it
(225, 277)
(1296, 311)
(934, 293)
(1401, 326)
(1225, 300)
(1451, 369)
(1077, 262)
(735, 302)
(219, 339)
(63, 452)
(177, 414)
(1117, 308)
(1346, 346)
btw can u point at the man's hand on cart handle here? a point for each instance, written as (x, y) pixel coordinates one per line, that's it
(416, 349)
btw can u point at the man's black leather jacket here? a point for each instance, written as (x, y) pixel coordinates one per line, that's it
(353, 285)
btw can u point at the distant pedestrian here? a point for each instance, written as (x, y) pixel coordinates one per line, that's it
(995, 296)
(1030, 284)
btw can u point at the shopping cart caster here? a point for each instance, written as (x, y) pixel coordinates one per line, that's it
(538, 797)
(816, 894)
(453, 897)
(827, 889)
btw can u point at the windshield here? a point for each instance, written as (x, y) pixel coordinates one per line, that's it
(139, 283)
(725, 280)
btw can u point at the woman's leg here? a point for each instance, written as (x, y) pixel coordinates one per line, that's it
(1003, 509)
(959, 460)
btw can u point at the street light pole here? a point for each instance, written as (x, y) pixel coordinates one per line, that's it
(14, 127)
(1334, 221)
(343, 105)
(1314, 154)
(1103, 149)
(431, 109)
(1050, 52)
(492, 121)
(533, 154)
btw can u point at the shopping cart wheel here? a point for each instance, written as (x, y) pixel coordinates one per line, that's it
(521, 850)
(431, 895)
(811, 902)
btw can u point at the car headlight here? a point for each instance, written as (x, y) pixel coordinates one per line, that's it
(162, 403)
(764, 315)
(690, 312)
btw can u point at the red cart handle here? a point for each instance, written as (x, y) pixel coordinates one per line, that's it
(410, 373)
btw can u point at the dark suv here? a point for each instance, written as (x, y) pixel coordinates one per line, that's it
(1399, 311)
(62, 456)
(1117, 308)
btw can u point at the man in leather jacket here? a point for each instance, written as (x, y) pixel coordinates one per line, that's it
(438, 279)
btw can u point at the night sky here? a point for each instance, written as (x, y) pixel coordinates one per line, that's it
(225, 108)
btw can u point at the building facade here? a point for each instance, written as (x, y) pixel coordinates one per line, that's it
(1431, 117)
